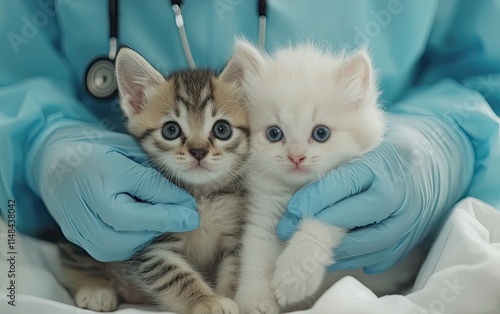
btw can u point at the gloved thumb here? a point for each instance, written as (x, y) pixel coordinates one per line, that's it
(310, 201)
(149, 185)
(347, 180)
(151, 202)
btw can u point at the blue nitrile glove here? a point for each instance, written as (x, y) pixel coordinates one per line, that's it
(98, 187)
(392, 197)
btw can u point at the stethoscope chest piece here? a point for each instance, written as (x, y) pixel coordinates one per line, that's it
(101, 79)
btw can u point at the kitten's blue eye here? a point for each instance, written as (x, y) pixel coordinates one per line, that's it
(222, 130)
(321, 133)
(171, 130)
(274, 134)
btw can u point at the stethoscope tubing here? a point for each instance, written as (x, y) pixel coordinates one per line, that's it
(100, 77)
(179, 22)
(113, 28)
(262, 12)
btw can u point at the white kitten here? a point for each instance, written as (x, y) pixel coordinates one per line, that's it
(309, 111)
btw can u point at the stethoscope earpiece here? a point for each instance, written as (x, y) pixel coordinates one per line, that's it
(101, 79)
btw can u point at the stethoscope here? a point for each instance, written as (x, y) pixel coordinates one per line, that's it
(100, 77)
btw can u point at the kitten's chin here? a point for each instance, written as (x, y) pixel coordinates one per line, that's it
(199, 175)
(297, 178)
(202, 174)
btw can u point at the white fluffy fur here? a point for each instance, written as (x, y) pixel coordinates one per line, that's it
(297, 89)
(301, 88)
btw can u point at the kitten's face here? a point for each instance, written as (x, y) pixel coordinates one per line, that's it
(309, 112)
(192, 124)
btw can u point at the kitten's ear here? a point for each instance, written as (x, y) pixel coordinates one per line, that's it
(356, 72)
(134, 75)
(246, 59)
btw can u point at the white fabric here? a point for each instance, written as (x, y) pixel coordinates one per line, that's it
(460, 275)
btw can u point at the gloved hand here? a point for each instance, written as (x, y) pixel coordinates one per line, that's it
(392, 197)
(96, 186)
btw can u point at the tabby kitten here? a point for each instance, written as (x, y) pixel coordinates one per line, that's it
(194, 127)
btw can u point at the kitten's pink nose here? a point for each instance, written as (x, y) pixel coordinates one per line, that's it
(198, 153)
(296, 159)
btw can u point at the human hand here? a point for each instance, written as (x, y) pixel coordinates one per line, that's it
(390, 198)
(95, 185)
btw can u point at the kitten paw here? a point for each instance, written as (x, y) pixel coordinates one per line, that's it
(260, 308)
(217, 305)
(256, 296)
(99, 299)
(302, 265)
(296, 278)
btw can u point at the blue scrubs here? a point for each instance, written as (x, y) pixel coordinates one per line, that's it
(432, 57)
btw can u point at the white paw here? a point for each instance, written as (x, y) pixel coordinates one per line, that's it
(301, 267)
(265, 307)
(256, 296)
(216, 305)
(296, 278)
(97, 299)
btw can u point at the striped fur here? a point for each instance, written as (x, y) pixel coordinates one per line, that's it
(191, 272)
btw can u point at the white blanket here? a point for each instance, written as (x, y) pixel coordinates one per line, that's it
(460, 275)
